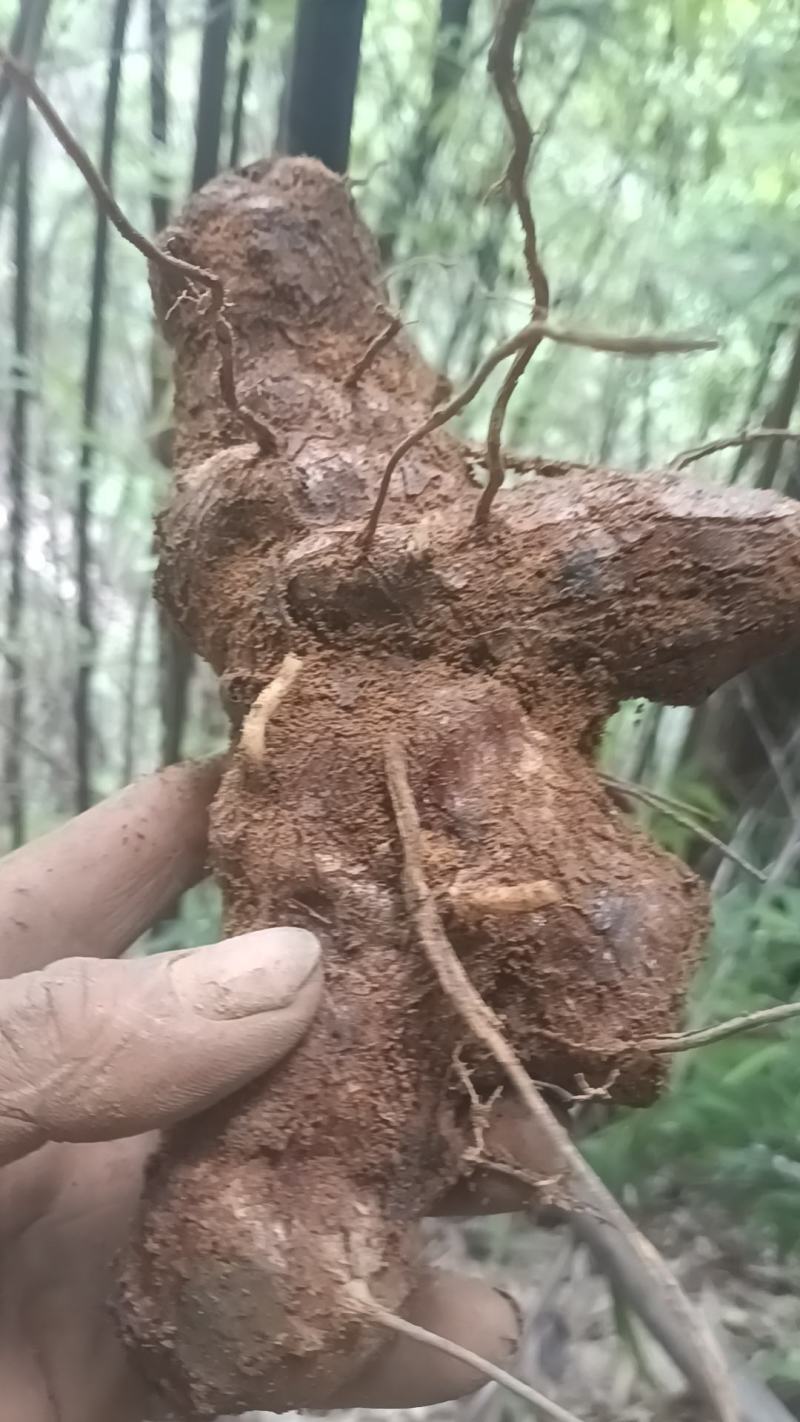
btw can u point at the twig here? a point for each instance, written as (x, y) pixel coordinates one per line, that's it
(500, 65)
(688, 456)
(755, 1403)
(745, 1022)
(534, 331)
(251, 740)
(187, 271)
(362, 1302)
(376, 345)
(514, 15)
(616, 783)
(668, 807)
(589, 1193)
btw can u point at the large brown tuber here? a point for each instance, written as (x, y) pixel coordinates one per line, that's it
(495, 657)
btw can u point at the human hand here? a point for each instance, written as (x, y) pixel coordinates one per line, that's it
(97, 1056)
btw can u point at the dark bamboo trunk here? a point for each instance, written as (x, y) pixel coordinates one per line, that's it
(779, 415)
(737, 739)
(176, 659)
(211, 91)
(18, 488)
(173, 668)
(87, 638)
(25, 43)
(318, 112)
(243, 81)
(743, 455)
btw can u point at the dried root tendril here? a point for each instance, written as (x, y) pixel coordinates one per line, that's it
(373, 350)
(530, 335)
(586, 1192)
(513, 16)
(192, 276)
(365, 1306)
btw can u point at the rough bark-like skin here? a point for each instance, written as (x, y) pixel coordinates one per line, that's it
(495, 658)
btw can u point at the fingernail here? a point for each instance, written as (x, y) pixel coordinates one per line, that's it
(257, 972)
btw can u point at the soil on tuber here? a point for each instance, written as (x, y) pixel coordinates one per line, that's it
(493, 655)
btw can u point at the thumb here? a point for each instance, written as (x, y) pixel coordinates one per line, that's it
(93, 1050)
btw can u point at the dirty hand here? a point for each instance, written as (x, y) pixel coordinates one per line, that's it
(97, 1056)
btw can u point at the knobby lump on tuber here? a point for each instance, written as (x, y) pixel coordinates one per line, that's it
(493, 657)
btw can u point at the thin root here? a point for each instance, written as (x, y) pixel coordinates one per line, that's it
(732, 1027)
(363, 1304)
(587, 1191)
(376, 345)
(674, 810)
(541, 1186)
(476, 900)
(758, 436)
(513, 17)
(251, 740)
(479, 1111)
(587, 1092)
(530, 335)
(176, 266)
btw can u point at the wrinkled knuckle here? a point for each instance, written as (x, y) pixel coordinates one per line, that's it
(49, 1034)
(66, 994)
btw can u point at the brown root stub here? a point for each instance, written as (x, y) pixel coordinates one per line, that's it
(493, 658)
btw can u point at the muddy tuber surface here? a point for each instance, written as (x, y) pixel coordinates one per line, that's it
(495, 658)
